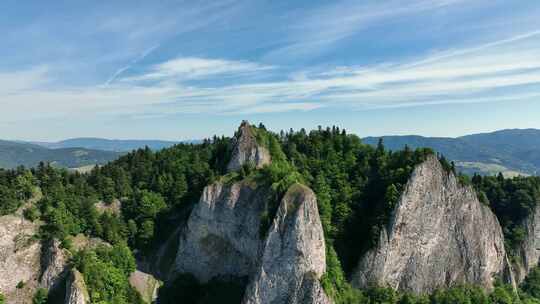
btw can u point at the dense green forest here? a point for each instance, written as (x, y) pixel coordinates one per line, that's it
(357, 187)
(512, 200)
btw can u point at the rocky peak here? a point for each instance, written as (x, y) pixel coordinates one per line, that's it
(439, 235)
(294, 256)
(247, 150)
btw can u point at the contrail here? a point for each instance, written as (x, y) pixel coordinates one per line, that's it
(127, 67)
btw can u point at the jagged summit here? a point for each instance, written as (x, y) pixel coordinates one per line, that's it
(440, 235)
(247, 150)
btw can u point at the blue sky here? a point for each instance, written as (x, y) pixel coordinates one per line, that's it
(191, 69)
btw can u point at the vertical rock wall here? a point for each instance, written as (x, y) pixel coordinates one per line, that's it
(222, 236)
(529, 250)
(439, 235)
(293, 259)
(76, 292)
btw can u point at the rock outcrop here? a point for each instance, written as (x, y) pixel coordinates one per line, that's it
(529, 250)
(115, 207)
(222, 235)
(81, 242)
(293, 259)
(27, 264)
(53, 263)
(439, 235)
(247, 150)
(76, 292)
(146, 284)
(20, 254)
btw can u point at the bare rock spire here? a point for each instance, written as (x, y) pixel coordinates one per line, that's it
(439, 235)
(247, 149)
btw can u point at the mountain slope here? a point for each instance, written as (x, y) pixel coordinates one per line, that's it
(13, 154)
(507, 151)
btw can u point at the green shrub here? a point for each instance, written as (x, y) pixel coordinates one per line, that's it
(20, 285)
(106, 271)
(40, 297)
(31, 213)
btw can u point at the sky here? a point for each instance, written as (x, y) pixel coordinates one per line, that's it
(190, 69)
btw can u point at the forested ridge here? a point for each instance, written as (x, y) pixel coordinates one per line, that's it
(357, 187)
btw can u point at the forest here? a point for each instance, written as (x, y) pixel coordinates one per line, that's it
(357, 187)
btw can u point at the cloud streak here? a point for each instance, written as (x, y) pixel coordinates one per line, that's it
(185, 68)
(502, 70)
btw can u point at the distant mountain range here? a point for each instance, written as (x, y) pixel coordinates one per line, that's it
(513, 151)
(115, 145)
(71, 153)
(13, 154)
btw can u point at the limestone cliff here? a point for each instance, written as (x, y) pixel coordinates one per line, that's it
(54, 265)
(293, 259)
(439, 235)
(146, 284)
(222, 234)
(76, 292)
(246, 150)
(20, 254)
(26, 263)
(529, 250)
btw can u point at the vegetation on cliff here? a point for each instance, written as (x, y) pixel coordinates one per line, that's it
(512, 200)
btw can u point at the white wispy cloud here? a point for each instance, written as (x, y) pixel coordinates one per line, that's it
(503, 70)
(184, 68)
(16, 81)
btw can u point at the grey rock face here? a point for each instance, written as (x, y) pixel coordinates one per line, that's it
(76, 292)
(146, 284)
(312, 292)
(222, 234)
(294, 257)
(529, 250)
(247, 150)
(53, 264)
(19, 258)
(440, 235)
